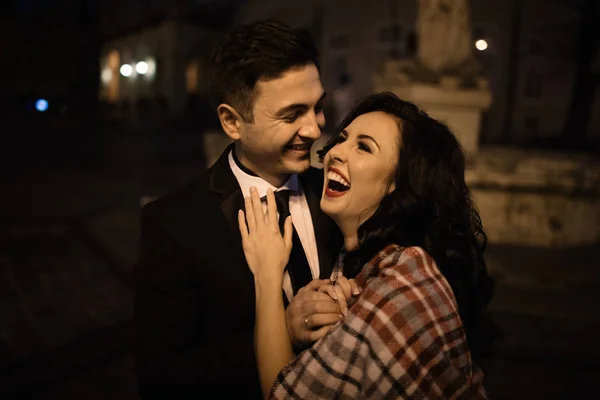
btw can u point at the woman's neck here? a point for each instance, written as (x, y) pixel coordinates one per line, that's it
(350, 238)
(349, 229)
(350, 243)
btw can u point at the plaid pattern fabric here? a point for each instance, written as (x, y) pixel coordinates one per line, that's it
(402, 338)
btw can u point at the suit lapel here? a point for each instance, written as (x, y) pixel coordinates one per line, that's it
(223, 182)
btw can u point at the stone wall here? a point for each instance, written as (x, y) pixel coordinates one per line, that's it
(537, 198)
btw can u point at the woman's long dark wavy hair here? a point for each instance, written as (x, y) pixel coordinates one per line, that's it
(430, 207)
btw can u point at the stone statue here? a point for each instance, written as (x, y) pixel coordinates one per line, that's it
(444, 35)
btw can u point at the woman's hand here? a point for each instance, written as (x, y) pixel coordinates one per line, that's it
(341, 291)
(266, 251)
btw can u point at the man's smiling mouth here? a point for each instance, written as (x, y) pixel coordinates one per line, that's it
(299, 147)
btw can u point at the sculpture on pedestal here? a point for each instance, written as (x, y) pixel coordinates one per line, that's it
(444, 77)
(444, 46)
(444, 34)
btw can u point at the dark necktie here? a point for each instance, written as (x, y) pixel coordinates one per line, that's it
(298, 266)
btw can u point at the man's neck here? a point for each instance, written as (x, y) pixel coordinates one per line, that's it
(249, 168)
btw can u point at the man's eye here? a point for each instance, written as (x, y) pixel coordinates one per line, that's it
(319, 109)
(291, 118)
(364, 147)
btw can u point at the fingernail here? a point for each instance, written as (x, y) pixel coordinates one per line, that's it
(356, 292)
(344, 312)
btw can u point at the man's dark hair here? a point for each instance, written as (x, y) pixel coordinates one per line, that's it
(430, 207)
(262, 50)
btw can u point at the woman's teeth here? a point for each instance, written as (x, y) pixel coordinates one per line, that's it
(337, 182)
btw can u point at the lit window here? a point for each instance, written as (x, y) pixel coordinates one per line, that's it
(106, 76)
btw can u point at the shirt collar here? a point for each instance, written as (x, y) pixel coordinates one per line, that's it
(247, 178)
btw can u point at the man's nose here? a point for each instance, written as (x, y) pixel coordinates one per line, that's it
(312, 128)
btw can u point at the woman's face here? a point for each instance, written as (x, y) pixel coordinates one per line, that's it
(359, 169)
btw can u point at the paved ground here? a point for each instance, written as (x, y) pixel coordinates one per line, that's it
(68, 238)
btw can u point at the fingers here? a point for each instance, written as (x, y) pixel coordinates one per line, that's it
(308, 310)
(272, 211)
(312, 302)
(259, 214)
(356, 290)
(337, 294)
(288, 231)
(250, 215)
(242, 225)
(342, 300)
(344, 284)
(318, 320)
(313, 336)
(349, 286)
(330, 290)
(314, 285)
(324, 305)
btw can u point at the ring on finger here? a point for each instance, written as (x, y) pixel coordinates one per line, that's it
(306, 322)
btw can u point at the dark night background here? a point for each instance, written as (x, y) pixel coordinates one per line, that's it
(73, 177)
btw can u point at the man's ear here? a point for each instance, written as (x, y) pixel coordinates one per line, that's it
(231, 121)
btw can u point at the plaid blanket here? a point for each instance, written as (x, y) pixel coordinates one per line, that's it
(402, 338)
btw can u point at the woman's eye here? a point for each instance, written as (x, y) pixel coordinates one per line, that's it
(364, 147)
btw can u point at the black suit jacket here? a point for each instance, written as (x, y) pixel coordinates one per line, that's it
(194, 293)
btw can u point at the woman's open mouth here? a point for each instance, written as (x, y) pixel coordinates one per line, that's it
(337, 183)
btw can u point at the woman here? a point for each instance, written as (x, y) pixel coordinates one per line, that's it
(394, 184)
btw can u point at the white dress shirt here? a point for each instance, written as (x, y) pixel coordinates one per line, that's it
(298, 208)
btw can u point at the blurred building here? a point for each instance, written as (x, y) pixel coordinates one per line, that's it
(154, 55)
(356, 38)
(525, 46)
(546, 67)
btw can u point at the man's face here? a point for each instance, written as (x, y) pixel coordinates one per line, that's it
(288, 117)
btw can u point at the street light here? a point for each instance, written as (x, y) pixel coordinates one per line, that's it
(41, 105)
(126, 70)
(141, 67)
(481, 45)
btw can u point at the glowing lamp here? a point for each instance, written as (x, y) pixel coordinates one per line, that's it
(126, 70)
(41, 105)
(481, 45)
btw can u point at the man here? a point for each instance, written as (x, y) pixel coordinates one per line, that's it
(194, 294)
